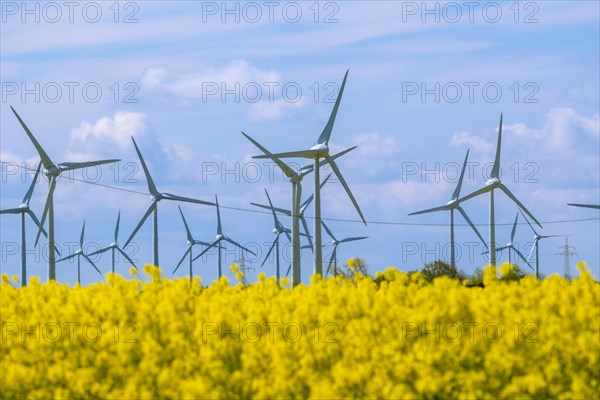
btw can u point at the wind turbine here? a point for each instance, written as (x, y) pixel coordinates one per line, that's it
(597, 207)
(495, 183)
(24, 209)
(452, 205)
(153, 208)
(114, 246)
(296, 209)
(536, 246)
(511, 245)
(318, 151)
(191, 243)
(221, 237)
(79, 253)
(336, 243)
(303, 208)
(53, 171)
(278, 230)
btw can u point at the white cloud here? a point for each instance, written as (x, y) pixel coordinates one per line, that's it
(107, 132)
(272, 110)
(475, 142)
(561, 131)
(376, 145)
(200, 84)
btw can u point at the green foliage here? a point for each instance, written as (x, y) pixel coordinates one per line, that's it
(440, 268)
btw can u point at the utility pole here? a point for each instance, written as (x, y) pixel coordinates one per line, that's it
(244, 268)
(567, 251)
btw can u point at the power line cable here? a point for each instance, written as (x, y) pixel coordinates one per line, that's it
(242, 209)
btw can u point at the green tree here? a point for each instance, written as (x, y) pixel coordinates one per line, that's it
(440, 268)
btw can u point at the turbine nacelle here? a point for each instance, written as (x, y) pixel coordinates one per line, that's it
(219, 237)
(275, 231)
(54, 170)
(495, 182)
(322, 150)
(453, 203)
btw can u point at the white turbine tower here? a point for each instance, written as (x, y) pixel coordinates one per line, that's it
(114, 247)
(454, 204)
(336, 243)
(53, 171)
(536, 246)
(490, 185)
(79, 253)
(317, 152)
(220, 238)
(153, 208)
(22, 210)
(191, 242)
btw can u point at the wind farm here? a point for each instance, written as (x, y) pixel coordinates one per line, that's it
(299, 200)
(297, 212)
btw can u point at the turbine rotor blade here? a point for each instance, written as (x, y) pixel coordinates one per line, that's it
(514, 229)
(11, 211)
(289, 172)
(352, 239)
(277, 209)
(514, 198)
(528, 223)
(238, 245)
(151, 186)
(597, 207)
(27, 196)
(182, 258)
(484, 189)
(270, 250)
(68, 166)
(187, 229)
(275, 220)
(331, 259)
(100, 251)
(35, 221)
(169, 196)
(43, 155)
(120, 250)
(213, 244)
(345, 185)
(91, 262)
(139, 225)
(117, 226)
(441, 208)
(456, 193)
(496, 167)
(67, 257)
(305, 225)
(81, 237)
(466, 217)
(326, 134)
(219, 229)
(328, 231)
(523, 258)
(46, 207)
(535, 244)
(292, 154)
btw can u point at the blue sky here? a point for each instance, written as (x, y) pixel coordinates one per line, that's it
(185, 78)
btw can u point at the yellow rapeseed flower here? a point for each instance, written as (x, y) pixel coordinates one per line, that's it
(395, 337)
